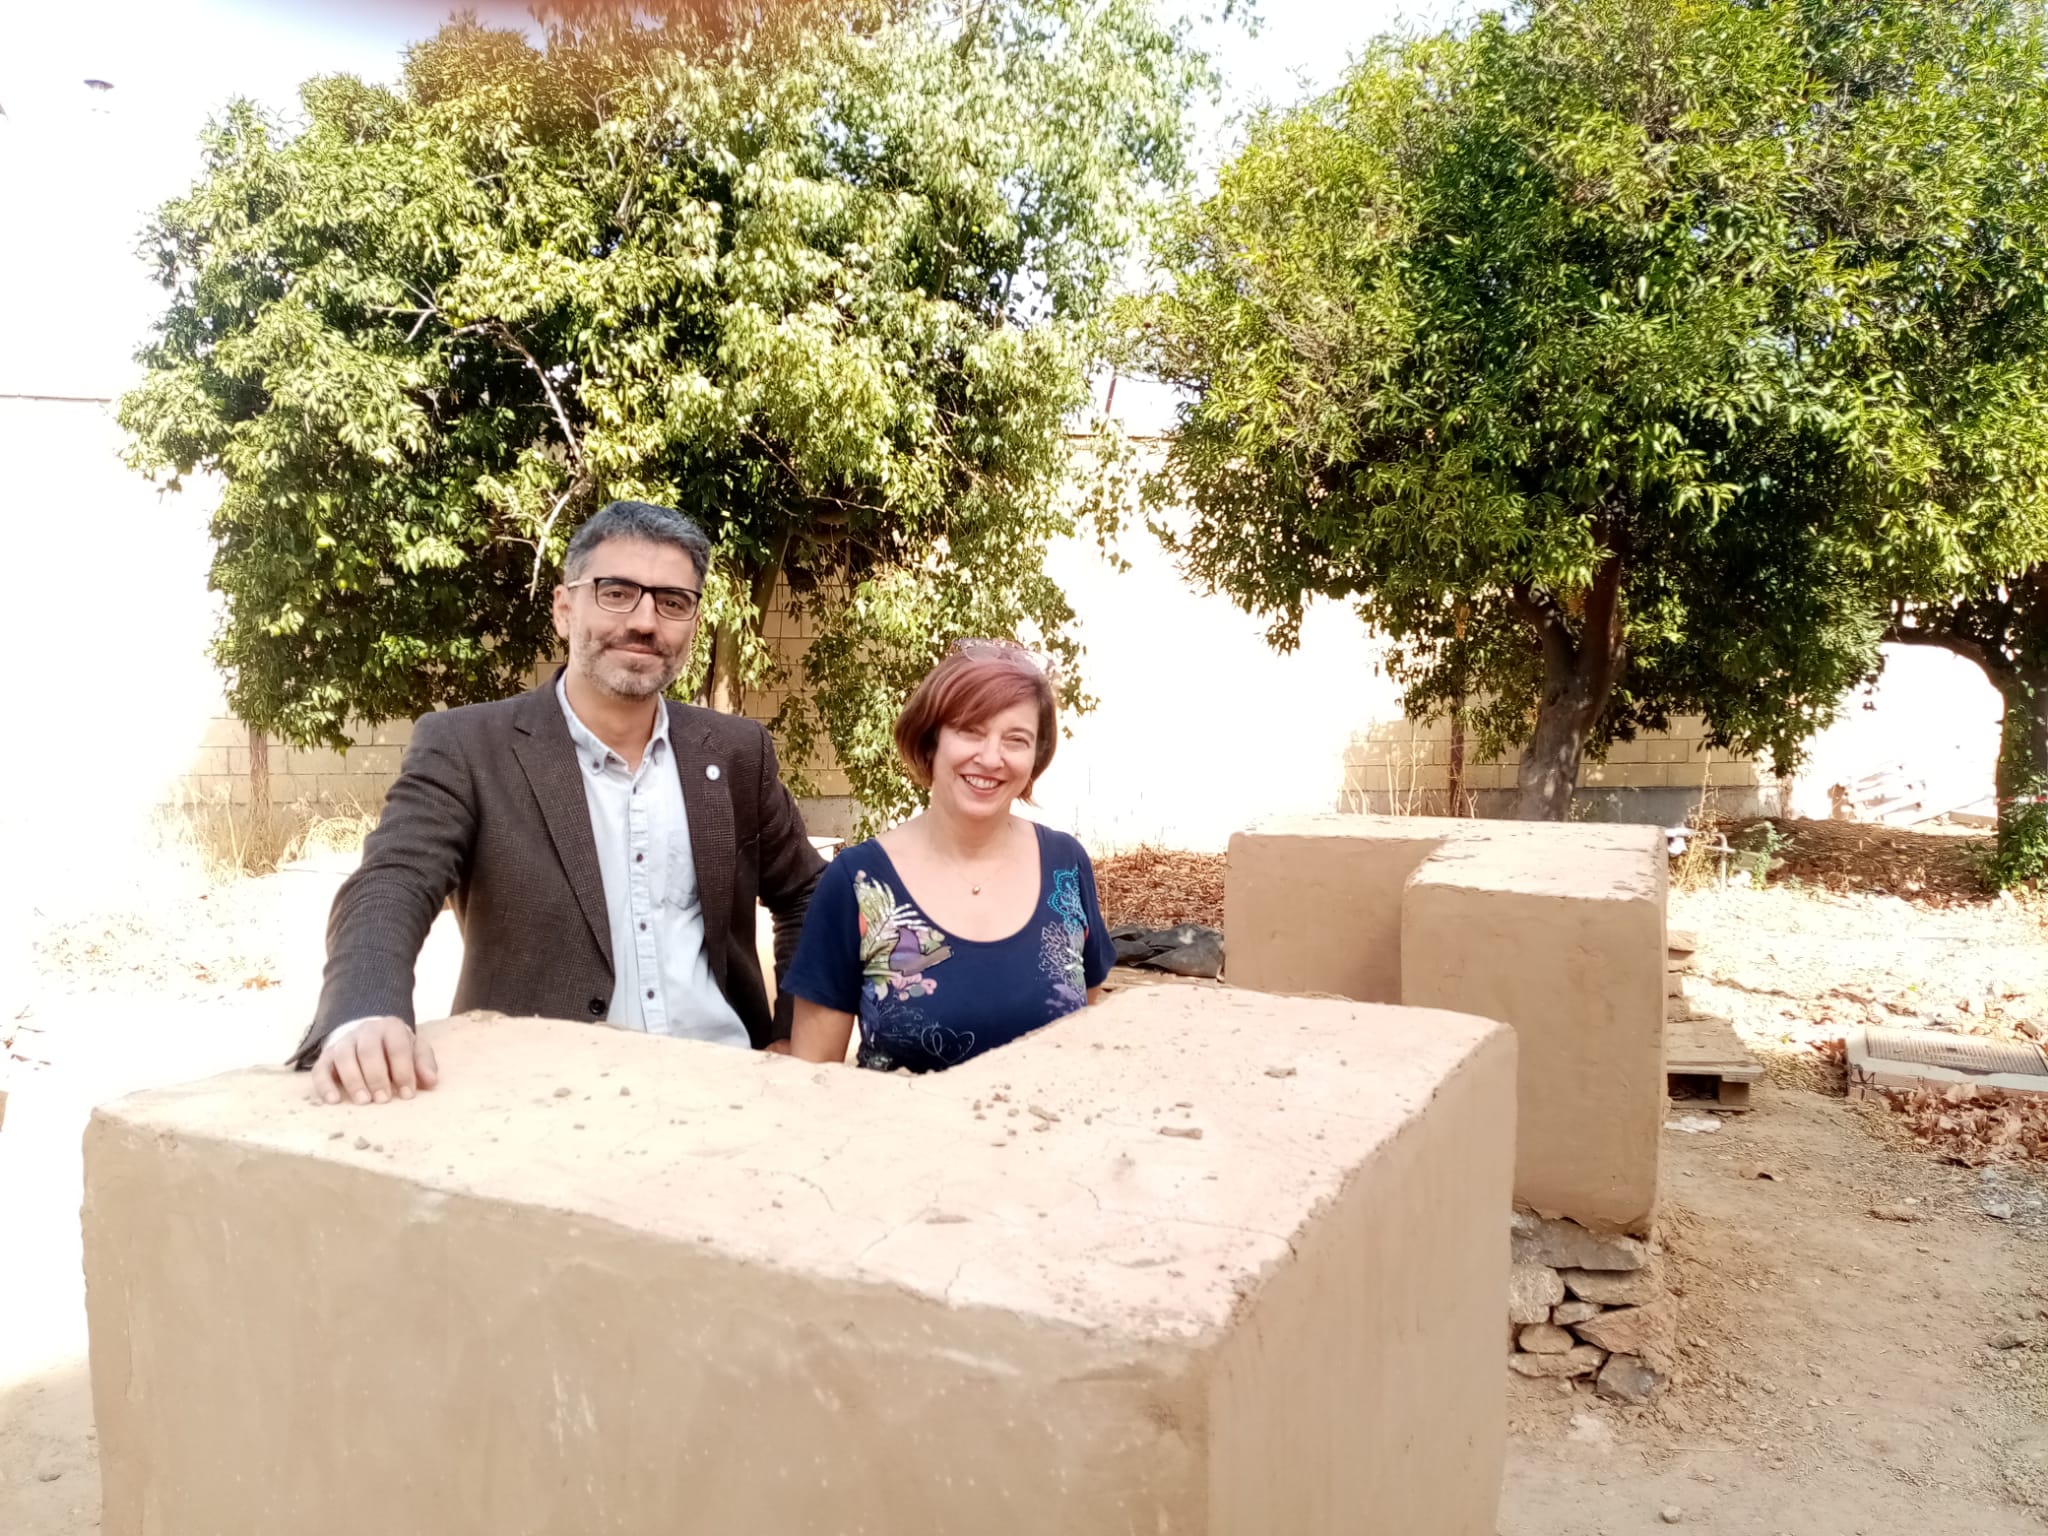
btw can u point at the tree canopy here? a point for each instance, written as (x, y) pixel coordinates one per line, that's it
(826, 276)
(1597, 356)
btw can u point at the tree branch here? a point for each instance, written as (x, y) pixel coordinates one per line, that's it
(1896, 633)
(555, 400)
(540, 541)
(1540, 613)
(1603, 619)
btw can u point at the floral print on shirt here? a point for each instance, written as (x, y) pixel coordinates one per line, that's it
(1063, 945)
(897, 945)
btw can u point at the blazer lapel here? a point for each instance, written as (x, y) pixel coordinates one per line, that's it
(548, 755)
(707, 798)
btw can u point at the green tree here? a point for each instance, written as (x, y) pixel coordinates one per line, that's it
(1567, 351)
(1958, 286)
(827, 276)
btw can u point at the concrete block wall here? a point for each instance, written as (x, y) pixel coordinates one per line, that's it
(1402, 767)
(218, 771)
(1131, 1273)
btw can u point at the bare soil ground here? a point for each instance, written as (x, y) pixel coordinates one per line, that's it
(1840, 1373)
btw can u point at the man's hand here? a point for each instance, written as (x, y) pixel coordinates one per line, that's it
(372, 1061)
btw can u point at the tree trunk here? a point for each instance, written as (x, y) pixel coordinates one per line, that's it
(2003, 631)
(1457, 767)
(259, 790)
(1579, 673)
(724, 689)
(2022, 775)
(1549, 773)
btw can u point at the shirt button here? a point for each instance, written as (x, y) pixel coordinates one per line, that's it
(638, 857)
(643, 927)
(650, 992)
(597, 1007)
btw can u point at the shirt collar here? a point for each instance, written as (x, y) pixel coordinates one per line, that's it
(592, 753)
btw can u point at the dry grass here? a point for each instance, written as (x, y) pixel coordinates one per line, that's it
(1161, 887)
(227, 841)
(1700, 865)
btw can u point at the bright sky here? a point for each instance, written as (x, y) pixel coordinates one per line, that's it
(80, 169)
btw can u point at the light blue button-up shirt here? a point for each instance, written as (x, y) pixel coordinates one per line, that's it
(662, 980)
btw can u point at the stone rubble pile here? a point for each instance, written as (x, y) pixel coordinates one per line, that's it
(1584, 1303)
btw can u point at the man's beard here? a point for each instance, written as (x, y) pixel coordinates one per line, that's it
(616, 676)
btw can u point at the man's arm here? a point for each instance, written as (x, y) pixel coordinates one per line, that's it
(789, 868)
(383, 911)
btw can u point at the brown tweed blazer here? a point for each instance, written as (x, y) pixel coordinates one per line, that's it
(489, 809)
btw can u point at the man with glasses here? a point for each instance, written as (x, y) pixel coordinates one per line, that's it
(604, 848)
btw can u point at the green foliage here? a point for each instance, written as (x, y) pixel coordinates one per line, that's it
(826, 276)
(1603, 361)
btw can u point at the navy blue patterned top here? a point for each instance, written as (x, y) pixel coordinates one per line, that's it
(927, 999)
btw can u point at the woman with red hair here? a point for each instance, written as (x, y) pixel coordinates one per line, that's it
(966, 926)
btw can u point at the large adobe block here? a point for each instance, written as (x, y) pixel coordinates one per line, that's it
(1195, 1261)
(1555, 929)
(1569, 950)
(1313, 903)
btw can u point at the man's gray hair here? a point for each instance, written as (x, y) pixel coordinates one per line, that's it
(637, 520)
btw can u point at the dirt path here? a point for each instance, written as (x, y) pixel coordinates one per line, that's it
(1840, 1374)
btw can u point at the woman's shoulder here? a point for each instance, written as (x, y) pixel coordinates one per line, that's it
(1061, 848)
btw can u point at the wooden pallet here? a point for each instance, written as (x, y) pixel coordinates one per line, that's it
(1701, 1051)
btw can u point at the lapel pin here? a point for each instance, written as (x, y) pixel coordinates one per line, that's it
(711, 770)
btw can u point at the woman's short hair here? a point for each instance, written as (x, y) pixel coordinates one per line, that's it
(977, 680)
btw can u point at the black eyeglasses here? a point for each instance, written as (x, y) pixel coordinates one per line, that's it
(615, 594)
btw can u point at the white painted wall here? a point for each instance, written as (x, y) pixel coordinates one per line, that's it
(1200, 724)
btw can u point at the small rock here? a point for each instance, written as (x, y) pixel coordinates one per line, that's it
(1894, 1213)
(1634, 1288)
(1565, 1244)
(1045, 1114)
(1696, 1125)
(1671, 1514)
(1761, 1171)
(1681, 941)
(2008, 1340)
(1185, 1132)
(1279, 1071)
(1998, 1210)
(1592, 1429)
(625, 1092)
(1546, 1339)
(1580, 1360)
(561, 1093)
(336, 1135)
(943, 1219)
(1533, 1289)
(1565, 1313)
(362, 1143)
(1646, 1331)
(1626, 1379)
(48, 1477)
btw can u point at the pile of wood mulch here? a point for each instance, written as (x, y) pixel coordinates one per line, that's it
(1161, 888)
(1929, 869)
